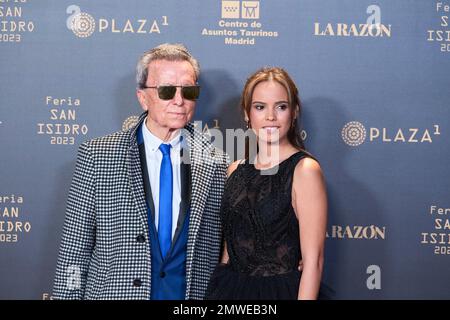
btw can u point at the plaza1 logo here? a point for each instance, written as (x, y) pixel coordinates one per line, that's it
(83, 24)
(13, 25)
(354, 133)
(240, 24)
(130, 122)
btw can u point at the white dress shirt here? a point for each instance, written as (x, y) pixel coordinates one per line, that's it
(154, 157)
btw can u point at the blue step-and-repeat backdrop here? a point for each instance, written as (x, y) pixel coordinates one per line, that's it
(374, 78)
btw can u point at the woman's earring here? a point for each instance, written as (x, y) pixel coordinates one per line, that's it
(247, 123)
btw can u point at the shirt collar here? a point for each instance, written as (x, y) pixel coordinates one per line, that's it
(152, 142)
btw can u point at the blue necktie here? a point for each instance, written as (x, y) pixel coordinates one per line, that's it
(165, 200)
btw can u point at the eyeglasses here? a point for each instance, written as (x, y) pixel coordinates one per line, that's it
(168, 92)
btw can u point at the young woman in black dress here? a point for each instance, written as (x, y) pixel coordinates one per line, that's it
(274, 208)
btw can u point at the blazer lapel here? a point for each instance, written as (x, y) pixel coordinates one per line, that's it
(202, 171)
(145, 177)
(185, 175)
(135, 174)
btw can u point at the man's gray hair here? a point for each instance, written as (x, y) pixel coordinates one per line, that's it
(165, 51)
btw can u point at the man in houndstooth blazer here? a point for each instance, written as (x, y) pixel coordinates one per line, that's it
(108, 248)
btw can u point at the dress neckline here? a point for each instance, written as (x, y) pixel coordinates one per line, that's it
(279, 164)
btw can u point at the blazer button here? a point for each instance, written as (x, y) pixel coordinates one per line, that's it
(162, 274)
(140, 238)
(137, 282)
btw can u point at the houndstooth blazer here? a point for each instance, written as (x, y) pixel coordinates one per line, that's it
(102, 255)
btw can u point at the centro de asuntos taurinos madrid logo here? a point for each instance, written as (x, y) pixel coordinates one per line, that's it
(354, 133)
(240, 24)
(232, 10)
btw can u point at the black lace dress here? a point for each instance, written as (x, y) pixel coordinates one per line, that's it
(262, 235)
